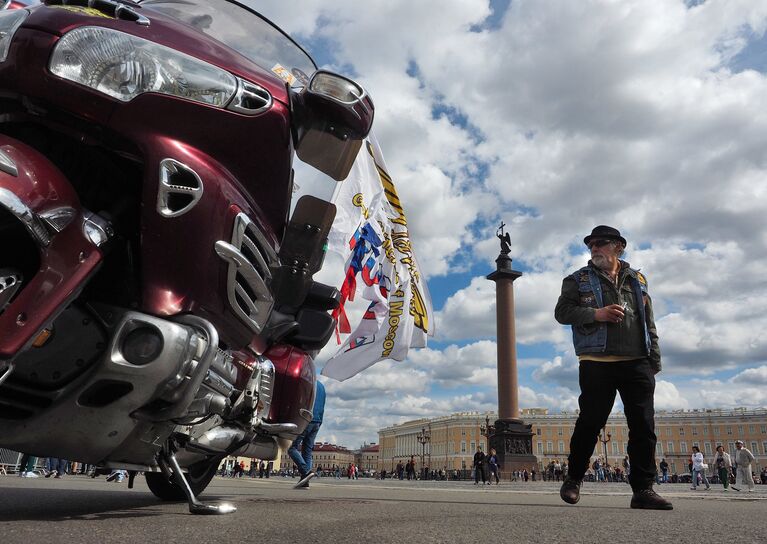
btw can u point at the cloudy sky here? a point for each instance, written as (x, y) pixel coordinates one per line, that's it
(555, 116)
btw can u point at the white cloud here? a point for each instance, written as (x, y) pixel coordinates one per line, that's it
(568, 115)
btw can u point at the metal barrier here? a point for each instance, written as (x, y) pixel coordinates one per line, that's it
(10, 460)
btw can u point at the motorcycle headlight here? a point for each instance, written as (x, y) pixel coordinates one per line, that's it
(10, 21)
(124, 66)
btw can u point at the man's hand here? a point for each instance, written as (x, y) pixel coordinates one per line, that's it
(609, 314)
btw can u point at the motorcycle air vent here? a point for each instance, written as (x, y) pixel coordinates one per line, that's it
(180, 188)
(250, 259)
(250, 98)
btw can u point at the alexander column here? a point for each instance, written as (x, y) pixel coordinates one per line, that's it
(511, 437)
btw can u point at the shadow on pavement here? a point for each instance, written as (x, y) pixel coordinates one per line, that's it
(26, 504)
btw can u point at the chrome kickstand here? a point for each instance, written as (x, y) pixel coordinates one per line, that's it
(195, 505)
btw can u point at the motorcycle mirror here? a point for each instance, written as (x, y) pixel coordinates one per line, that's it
(332, 116)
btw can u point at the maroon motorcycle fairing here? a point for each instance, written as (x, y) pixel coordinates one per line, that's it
(65, 263)
(180, 269)
(243, 161)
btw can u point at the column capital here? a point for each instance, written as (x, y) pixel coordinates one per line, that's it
(503, 269)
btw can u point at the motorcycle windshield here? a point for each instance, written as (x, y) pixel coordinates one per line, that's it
(245, 31)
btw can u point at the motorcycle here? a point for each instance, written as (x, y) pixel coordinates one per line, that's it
(157, 304)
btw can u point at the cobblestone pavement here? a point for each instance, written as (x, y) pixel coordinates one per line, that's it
(79, 509)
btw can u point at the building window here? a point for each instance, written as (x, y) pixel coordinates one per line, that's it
(540, 447)
(463, 432)
(752, 429)
(695, 431)
(731, 448)
(549, 446)
(717, 429)
(668, 431)
(473, 446)
(764, 448)
(615, 448)
(754, 448)
(681, 431)
(463, 447)
(560, 432)
(764, 429)
(708, 448)
(561, 446)
(683, 447)
(538, 431)
(740, 430)
(729, 430)
(659, 449)
(670, 447)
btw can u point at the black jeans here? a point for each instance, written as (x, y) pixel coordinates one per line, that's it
(479, 471)
(599, 382)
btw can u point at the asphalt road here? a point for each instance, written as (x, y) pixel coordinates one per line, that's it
(78, 509)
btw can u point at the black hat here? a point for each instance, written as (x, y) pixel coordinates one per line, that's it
(603, 231)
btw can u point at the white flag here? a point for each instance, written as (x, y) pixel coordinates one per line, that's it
(371, 230)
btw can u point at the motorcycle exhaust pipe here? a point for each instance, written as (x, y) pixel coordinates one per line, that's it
(222, 439)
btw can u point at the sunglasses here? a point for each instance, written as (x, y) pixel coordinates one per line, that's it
(599, 243)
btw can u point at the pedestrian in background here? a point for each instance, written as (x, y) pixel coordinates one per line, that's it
(56, 466)
(664, 470)
(698, 469)
(27, 466)
(743, 460)
(479, 466)
(723, 464)
(301, 449)
(607, 304)
(492, 464)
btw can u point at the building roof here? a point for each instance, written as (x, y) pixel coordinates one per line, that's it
(325, 447)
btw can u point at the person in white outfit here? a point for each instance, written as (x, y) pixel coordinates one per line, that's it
(743, 459)
(698, 467)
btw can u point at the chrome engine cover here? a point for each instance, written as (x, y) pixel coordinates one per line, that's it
(117, 410)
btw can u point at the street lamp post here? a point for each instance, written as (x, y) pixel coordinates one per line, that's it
(604, 438)
(423, 437)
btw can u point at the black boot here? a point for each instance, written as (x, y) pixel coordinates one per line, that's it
(647, 499)
(570, 491)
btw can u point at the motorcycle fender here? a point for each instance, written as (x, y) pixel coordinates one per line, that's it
(35, 193)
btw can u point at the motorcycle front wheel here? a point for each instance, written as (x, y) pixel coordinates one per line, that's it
(199, 476)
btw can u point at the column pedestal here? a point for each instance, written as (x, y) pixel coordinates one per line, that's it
(513, 443)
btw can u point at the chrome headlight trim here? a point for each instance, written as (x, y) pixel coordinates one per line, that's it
(250, 98)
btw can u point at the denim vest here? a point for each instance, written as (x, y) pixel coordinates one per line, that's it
(592, 338)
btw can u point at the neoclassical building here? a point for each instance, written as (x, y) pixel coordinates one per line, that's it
(453, 439)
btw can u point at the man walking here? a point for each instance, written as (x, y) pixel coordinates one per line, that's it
(301, 449)
(479, 466)
(664, 470)
(743, 460)
(608, 306)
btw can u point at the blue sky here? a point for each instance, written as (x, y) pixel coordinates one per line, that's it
(648, 115)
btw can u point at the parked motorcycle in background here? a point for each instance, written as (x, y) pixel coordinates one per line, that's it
(157, 306)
